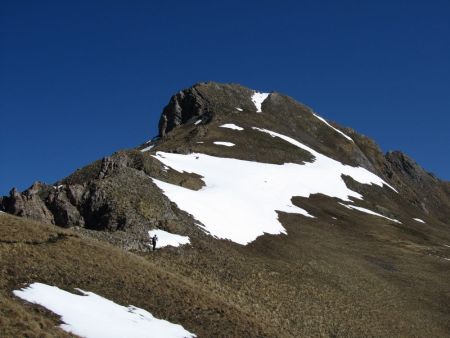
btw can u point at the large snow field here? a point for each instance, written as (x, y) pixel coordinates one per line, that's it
(240, 199)
(92, 316)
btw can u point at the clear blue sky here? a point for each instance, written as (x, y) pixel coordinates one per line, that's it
(82, 79)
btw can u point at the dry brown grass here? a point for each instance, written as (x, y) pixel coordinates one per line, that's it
(355, 276)
(32, 252)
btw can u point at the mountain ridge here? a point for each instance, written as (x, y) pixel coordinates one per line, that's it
(198, 105)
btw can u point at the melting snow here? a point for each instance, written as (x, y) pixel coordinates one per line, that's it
(227, 144)
(329, 125)
(258, 98)
(419, 220)
(147, 148)
(367, 211)
(198, 122)
(359, 174)
(240, 199)
(168, 239)
(231, 126)
(89, 315)
(239, 109)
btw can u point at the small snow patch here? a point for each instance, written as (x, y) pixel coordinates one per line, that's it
(168, 239)
(226, 144)
(203, 228)
(92, 316)
(335, 129)
(257, 99)
(367, 211)
(198, 122)
(419, 220)
(239, 109)
(147, 148)
(231, 126)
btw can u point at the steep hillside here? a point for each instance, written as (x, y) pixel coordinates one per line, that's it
(296, 227)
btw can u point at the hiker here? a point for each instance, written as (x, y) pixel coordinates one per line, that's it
(154, 239)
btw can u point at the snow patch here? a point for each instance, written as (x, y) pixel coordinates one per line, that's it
(154, 138)
(231, 126)
(329, 125)
(168, 239)
(226, 144)
(239, 109)
(147, 148)
(198, 122)
(359, 174)
(257, 99)
(92, 316)
(240, 199)
(419, 220)
(367, 211)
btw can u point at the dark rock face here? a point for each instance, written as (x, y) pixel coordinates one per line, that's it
(64, 208)
(203, 101)
(182, 107)
(29, 203)
(115, 195)
(423, 189)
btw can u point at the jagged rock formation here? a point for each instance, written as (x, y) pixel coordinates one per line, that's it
(203, 101)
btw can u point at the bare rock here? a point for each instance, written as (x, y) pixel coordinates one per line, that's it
(29, 204)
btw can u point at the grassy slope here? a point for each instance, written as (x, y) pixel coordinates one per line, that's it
(354, 276)
(33, 252)
(332, 278)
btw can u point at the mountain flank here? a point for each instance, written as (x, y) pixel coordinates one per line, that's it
(297, 226)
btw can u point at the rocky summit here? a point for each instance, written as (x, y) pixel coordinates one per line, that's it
(271, 222)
